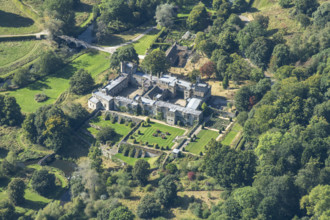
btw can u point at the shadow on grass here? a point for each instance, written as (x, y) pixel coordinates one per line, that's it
(13, 20)
(38, 86)
(35, 205)
(4, 182)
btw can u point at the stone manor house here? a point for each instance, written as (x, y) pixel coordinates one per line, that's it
(156, 93)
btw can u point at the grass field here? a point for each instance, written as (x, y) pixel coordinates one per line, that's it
(147, 134)
(202, 139)
(13, 21)
(131, 161)
(232, 134)
(53, 85)
(12, 51)
(145, 42)
(120, 129)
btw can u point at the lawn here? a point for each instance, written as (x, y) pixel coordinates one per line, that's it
(145, 42)
(13, 21)
(53, 85)
(202, 139)
(12, 51)
(131, 161)
(232, 134)
(120, 129)
(146, 134)
(217, 123)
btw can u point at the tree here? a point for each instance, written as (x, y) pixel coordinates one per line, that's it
(285, 3)
(317, 202)
(148, 207)
(306, 6)
(121, 213)
(126, 53)
(10, 111)
(227, 41)
(208, 69)
(259, 52)
(280, 56)
(29, 128)
(229, 167)
(43, 182)
(166, 192)
(48, 63)
(105, 134)
(198, 18)
(164, 15)
(155, 62)
(249, 33)
(76, 114)
(7, 210)
(321, 15)
(171, 168)
(141, 171)
(242, 98)
(21, 77)
(16, 191)
(238, 69)
(61, 10)
(242, 117)
(56, 132)
(239, 6)
(225, 82)
(81, 82)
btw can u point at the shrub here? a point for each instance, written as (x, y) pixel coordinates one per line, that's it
(191, 176)
(40, 97)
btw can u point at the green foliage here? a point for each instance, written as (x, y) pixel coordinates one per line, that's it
(241, 165)
(164, 15)
(156, 63)
(76, 114)
(171, 168)
(43, 182)
(16, 191)
(166, 192)
(122, 54)
(148, 207)
(286, 3)
(259, 52)
(321, 15)
(306, 6)
(48, 63)
(121, 213)
(317, 202)
(198, 18)
(10, 111)
(141, 171)
(81, 82)
(7, 210)
(21, 77)
(238, 69)
(280, 56)
(105, 134)
(249, 33)
(225, 82)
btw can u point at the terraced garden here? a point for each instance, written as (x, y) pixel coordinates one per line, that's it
(232, 134)
(54, 85)
(120, 129)
(156, 133)
(202, 139)
(217, 123)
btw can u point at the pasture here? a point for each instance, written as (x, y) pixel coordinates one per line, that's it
(147, 134)
(54, 85)
(13, 51)
(202, 139)
(14, 21)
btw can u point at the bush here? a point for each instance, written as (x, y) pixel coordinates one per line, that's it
(43, 182)
(105, 134)
(196, 209)
(40, 97)
(191, 176)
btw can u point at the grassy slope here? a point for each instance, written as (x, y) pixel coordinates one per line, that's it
(144, 43)
(203, 138)
(94, 62)
(147, 132)
(232, 134)
(131, 161)
(15, 50)
(13, 21)
(120, 129)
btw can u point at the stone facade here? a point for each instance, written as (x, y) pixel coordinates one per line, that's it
(156, 91)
